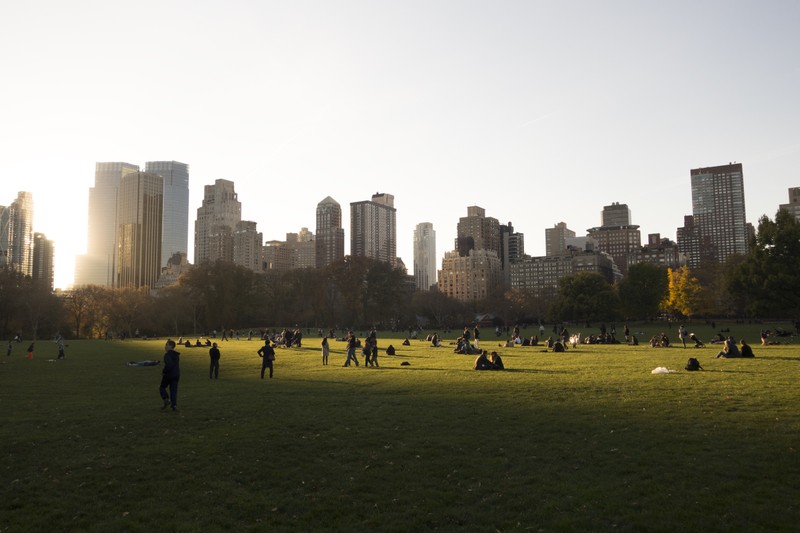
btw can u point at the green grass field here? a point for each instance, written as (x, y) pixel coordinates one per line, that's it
(585, 440)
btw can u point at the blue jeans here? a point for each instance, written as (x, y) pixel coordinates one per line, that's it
(173, 390)
(351, 355)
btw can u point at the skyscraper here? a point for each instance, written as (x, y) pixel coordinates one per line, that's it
(479, 232)
(16, 234)
(175, 227)
(373, 229)
(43, 256)
(215, 223)
(140, 203)
(424, 256)
(330, 234)
(97, 266)
(718, 208)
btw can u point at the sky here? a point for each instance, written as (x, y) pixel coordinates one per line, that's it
(538, 111)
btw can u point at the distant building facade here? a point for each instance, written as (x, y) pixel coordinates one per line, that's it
(175, 226)
(793, 207)
(617, 236)
(373, 228)
(718, 209)
(542, 275)
(16, 234)
(329, 242)
(424, 256)
(247, 245)
(216, 220)
(556, 239)
(470, 277)
(43, 261)
(140, 203)
(303, 247)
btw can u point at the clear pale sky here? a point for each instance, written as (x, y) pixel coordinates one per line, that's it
(537, 111)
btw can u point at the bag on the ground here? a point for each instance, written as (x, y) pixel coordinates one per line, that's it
(693, 364)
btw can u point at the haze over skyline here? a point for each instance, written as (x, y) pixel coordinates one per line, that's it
(539, 112)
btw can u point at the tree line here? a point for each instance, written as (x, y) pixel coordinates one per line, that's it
(360, 292)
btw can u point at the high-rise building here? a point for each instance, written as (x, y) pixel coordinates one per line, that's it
(216, 220)
(662, 252)
(694, 247)
(16, 234)
(424, 256)
(793, 207)
(373, 228)
(330, 234)
(617, 236)
(556, 239)
(96, 267)
(304, 248)
(175, 227)
(512, 248)
(140, 204)
(476, 231)
(43, 257)
(247, 243)
(542, 275)
(277, 257)
(718, 208)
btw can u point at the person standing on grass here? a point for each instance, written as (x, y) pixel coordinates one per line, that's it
(9, 348)
(267, 354)
(476, 334)
(214, 354)
(326, 350)
(30, 351)
(170, 376)
(682, 334)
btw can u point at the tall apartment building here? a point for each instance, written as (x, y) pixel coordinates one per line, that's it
(330, 234)
(555, 239)
(424, 256)
(793, 207)
(476, 231)
(617, 236)
(247, 246)
(175, 227)
(43, 260)
(140, 204)
(662, 252)
(277, 257)
(16, 234)
(216, 220)
(373, 229)
(718, 209)
(542, 275)
(304, 248)
(470, 277)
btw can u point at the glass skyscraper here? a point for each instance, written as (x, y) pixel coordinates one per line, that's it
(175, 225)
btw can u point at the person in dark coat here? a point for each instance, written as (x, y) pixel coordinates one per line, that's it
(267, 354)
(170, 376)
(214, 354)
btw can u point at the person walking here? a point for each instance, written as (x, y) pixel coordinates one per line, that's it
(214, 355)
(170, 376)
(352, 343)
(267, 354)
(326, 350)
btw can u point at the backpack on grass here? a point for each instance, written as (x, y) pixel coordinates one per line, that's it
(693, 364)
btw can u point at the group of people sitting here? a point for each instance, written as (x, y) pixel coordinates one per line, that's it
(486, 361)
(730, 350)
(188, 344)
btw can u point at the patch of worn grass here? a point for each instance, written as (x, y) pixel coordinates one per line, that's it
(587, 440)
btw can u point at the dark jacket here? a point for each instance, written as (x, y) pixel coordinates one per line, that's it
(214, 354)
(172, 365)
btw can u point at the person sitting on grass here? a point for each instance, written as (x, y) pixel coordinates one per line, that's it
(746, 350)
(729, 349)
(496, 361)
(558, 346)
(482, 362)
(697, 342)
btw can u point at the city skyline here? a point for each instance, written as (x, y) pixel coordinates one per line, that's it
(521, 108)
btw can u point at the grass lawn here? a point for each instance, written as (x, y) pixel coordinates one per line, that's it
(585, 440)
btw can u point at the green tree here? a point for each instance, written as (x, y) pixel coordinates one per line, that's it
(767, 281)
(642, 290)
(585, 297)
